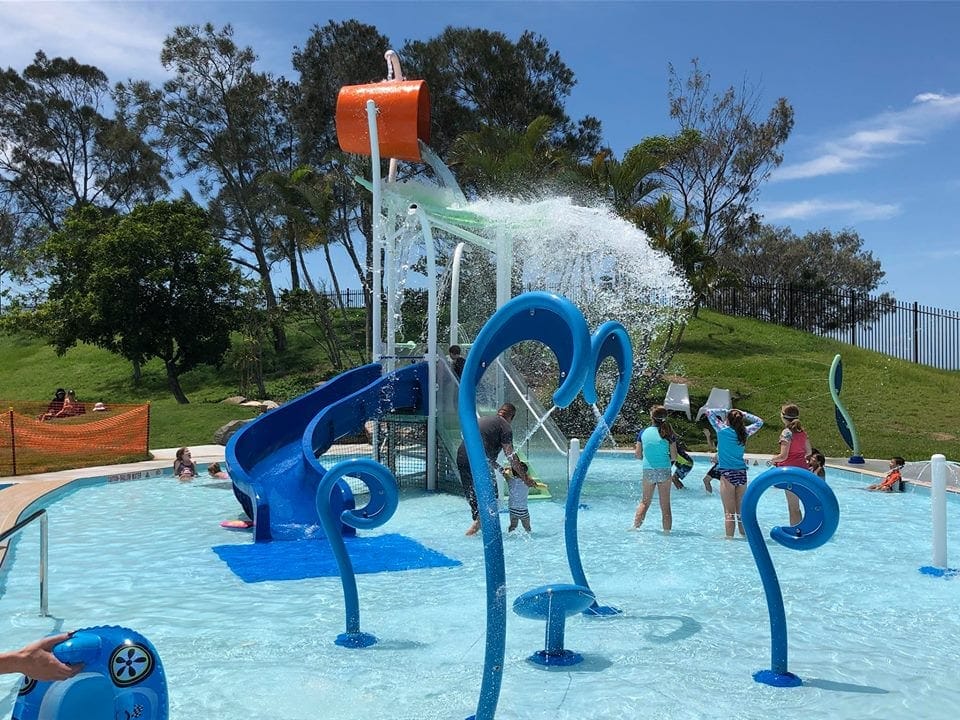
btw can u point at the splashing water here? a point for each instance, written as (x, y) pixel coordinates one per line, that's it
(598, 260)
(607, 430)
(604, 264)
(536, 426)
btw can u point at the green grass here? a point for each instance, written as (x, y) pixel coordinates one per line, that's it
(898, 408)
(32, 371)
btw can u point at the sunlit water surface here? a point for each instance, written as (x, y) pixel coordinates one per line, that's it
(870, 636)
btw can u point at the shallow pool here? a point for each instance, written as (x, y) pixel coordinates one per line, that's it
(870, 636)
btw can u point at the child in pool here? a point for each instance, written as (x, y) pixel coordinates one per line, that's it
(732, 433)
(183, 466)
(893, 480)
(683, 463)
(794, 451)
(216, 472)
(519, 488)
(712, 474)
(656, 448)
(816, 462)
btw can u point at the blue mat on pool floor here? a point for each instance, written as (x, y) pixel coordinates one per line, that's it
(296, 560)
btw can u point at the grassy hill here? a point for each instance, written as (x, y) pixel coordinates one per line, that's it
(898, 408)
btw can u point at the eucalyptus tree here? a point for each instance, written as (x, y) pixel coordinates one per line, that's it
(65, 142)
(718, 179)
(480, 77)
(227, 124)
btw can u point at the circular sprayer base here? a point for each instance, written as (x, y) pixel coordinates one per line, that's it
(355, 640)
(769, 677)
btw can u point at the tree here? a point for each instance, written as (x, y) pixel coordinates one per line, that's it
(676, 237)
(154, 283)
(480, 77)
(337, 54)
(59, 149)
(717, 180)
(227, 124)
(503, 161)
(801, 270)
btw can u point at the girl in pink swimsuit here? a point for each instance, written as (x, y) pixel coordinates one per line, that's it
(794, 449)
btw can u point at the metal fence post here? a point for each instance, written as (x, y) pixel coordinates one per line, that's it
(916, 333)
(853, 319)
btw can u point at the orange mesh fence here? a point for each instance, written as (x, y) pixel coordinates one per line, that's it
(34, 440)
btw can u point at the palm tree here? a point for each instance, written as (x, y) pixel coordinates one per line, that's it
(495, 160)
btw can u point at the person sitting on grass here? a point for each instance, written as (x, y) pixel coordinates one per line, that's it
(893, 480)
(55, 406)
(71, 406)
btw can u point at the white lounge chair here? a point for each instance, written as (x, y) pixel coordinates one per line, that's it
(718, 399)
(678, 398)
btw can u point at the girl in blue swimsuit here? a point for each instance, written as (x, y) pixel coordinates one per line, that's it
(732, 432)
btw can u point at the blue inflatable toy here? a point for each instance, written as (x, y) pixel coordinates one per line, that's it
(122, 679)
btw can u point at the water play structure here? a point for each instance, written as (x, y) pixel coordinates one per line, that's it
(276, 462)
(122, 677)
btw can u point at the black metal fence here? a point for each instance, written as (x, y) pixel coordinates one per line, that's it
(346, 298)
(909, 331)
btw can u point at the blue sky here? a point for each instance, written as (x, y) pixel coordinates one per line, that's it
(875, 89)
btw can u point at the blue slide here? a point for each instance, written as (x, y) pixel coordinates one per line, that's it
(273, 459)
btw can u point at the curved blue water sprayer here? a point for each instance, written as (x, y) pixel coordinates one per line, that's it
(821, 515)
(609, 341)
(558, 324)
(384, 499)
(844, 422)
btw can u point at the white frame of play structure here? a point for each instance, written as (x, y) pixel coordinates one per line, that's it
(385, 241)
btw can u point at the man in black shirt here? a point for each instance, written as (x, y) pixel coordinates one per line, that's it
(497, 435)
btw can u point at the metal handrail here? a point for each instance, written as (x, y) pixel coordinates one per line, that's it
(42, 515)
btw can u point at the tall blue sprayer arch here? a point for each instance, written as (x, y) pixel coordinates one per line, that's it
(558, 324)
(609, 341)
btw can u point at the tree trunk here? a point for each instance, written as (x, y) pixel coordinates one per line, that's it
(292, 245)
(136, 373)
(173, 382)
(304, 271)
(263, 269)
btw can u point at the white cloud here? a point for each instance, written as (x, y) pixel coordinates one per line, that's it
(851, 210)
(949, 253)
(122, 39)
(878, 137)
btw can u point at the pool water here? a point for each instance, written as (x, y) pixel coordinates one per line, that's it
(870, 635)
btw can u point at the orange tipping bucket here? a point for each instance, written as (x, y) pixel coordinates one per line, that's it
(403, 118)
